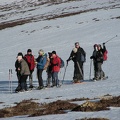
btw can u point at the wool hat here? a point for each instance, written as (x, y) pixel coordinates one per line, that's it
(20, 54)
(29, 50)
(77, 43)
(95, 45)
(54, 52)
(74, 50)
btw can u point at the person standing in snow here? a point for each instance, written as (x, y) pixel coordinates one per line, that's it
(55, 64)
(48, 68)
(40, 62)
(98, 59)
(23, 72)
(31, 63)
(78, 56)
(17, 69)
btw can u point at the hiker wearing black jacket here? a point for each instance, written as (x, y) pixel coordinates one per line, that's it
(98, 59)
(78, 56)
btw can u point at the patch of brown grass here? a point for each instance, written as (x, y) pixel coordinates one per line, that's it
(30, 108)
(57, 107)
(103, 104)
(25, 107)
(93, 119)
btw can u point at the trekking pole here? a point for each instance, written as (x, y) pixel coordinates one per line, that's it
(110, 39)
(64, 73)
(80, 69)
(11, 79)
(90, 69)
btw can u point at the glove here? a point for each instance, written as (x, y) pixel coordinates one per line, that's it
(91, 57)
(67, 61)
(103, 44)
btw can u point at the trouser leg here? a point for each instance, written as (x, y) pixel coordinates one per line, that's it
(23, 80)
(55, 77)
(40, 80)
(31, 78)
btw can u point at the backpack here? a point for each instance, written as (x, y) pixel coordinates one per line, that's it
(62, 63)
(105, 56)
(83, 59)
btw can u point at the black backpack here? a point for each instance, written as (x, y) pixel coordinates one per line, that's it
(83, 58)
(62, 63)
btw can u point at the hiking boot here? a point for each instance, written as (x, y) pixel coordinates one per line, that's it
(31, 86)
(40, 87)
(96, 78)
(48, 86)
(22, 90)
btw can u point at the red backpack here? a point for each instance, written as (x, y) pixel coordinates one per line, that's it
(105, 56)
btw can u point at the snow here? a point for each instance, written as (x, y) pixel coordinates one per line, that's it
(60, 34)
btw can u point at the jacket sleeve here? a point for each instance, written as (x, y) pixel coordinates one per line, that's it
(72, 56)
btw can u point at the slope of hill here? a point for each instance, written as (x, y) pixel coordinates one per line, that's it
(57, 25)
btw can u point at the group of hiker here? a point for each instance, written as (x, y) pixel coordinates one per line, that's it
(25, 66)
(51, 62)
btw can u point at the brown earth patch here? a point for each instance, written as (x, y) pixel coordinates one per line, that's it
(103, 104)
(78, 99)
(30, 108)
(57, 107)
(90, 106)
(40, 17)
(1, 102)
(93, 119)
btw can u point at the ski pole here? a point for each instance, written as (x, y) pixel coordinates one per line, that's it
(110, 39)
(64, 73)
(11, 79)
(80, 69)
(90, 69)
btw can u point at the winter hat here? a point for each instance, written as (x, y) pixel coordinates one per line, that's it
(41, 51)
(20, 54)
(74, 50)
(29, 50)
(54, 52)
(77, 43)
(95, 45)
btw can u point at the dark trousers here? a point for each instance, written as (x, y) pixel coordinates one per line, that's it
(23, 83)
(98, 72)
(55, 80)
(39, 75)
(49, 76)
(78, 71)
(18, 77)
(31, 78)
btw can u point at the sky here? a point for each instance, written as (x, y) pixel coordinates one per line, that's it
(60, 34)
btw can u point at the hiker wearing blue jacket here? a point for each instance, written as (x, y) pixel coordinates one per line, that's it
(41, 61)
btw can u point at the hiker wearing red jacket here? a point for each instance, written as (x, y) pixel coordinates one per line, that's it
(55, 63)
(31, 63)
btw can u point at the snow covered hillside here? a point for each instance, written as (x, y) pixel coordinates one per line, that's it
(57, 25)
